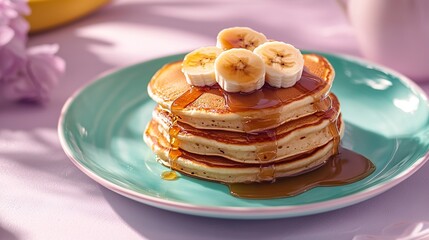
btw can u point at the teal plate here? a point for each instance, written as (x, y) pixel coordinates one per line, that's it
(101, 128)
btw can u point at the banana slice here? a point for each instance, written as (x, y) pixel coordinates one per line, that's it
(198, 66)
(283, 63)
(239, 70)
(239, 37)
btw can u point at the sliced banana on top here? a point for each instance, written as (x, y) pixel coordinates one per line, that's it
(198, 66)
(239, 37)
(239, 70)
(283, 63)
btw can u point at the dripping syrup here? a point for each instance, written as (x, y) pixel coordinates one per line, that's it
(188, 97)
(192, 94)
(173, 153)
(267, 152)
(267, 173)
(333, 129)
(262, 136)
(343, 168)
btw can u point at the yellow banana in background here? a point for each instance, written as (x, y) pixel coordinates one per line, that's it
(47, 14)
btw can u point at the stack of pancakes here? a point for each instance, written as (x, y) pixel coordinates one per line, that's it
(234, 137)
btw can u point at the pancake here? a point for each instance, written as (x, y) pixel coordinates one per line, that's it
(270, 133)
(220, 169)
(267, 108)
(293, 137)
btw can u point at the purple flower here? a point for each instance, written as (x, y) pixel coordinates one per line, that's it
(38, 77)
(31, 74)
(11, 13)
(12, 53)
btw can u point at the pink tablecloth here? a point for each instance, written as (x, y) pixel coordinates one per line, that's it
(44, 196)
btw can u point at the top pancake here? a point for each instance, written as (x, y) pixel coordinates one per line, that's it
(264, 109)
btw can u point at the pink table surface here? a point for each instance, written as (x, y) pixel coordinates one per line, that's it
(44, 196)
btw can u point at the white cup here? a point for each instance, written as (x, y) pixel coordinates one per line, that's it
(394, 33)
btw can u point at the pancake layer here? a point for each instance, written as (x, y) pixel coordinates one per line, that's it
(261, 110)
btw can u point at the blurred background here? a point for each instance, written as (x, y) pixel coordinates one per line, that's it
(392, 33)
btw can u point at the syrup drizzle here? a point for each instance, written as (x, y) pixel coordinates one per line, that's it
(266, 97)
(267, 152)
(174, 152)
(252, 138)
(345, 167)
(333, 129)
(269, 97)
(188, 97)
(267, 173)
